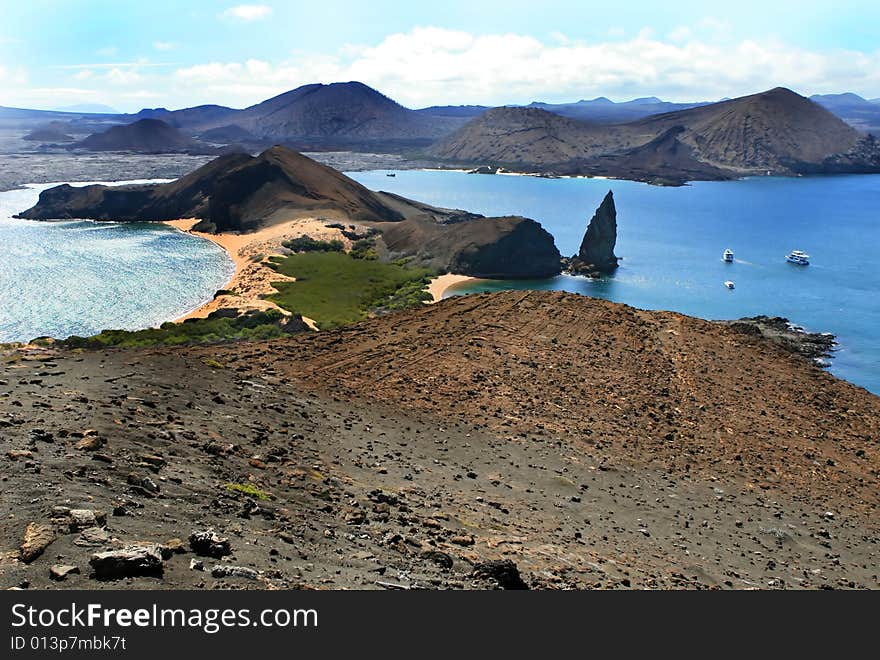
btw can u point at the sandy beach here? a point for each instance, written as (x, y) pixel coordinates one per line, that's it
(253, 278)
(439, 285)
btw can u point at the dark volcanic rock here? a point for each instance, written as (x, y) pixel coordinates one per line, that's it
(131, 561)
(813, 345)
(510, 247)
(503, 571)
(596, 256)
(209, 544)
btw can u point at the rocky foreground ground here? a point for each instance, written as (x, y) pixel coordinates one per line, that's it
(520, 439)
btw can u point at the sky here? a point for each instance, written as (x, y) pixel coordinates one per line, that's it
(166, 53)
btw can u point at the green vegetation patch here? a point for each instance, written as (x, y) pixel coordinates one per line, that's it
(334, 289)
(217, 327)
(249, 490)
(309, 244)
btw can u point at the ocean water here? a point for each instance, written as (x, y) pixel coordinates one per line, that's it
(80, 277)
(671, 240)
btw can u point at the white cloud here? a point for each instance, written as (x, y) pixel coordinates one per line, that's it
(247, 13)
(433, 65)
(13, 77)
(681, 33)
(164, 45)
(122, 76)
(429, 65)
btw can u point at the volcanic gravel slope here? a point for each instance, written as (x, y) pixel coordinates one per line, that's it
(592, 444)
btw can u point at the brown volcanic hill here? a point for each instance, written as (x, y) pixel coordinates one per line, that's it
(588, 444)
(236, 192)
(152, 136)
(777, 130)
(684, 394)
(772, 130)
(55, 131)
(241, 193)
(348, 111)
(521, 136)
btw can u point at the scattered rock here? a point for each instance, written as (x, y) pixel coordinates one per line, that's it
(59, 572)
(91, 443)
(93, 537)
(143, 485)
(234, 571)
(173, 547)
(209, 544)
(80, 519)
(37, 538)
(440, 558)
(463, 540)
(155, 461)
(503, 571)
(39, 435)
(131, 561)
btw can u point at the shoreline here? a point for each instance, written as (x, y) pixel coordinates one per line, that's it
(441, 284)
(252, 278)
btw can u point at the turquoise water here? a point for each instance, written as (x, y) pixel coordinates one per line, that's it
(671, 240)
(79, 277)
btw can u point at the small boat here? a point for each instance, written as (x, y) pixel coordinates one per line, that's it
(728, 256)
(798, 257)
(729, 284)
(391, 174)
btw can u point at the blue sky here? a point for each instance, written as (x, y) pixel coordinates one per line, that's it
(162, 53)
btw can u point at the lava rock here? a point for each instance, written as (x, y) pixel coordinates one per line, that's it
(37, 538)
(503, 571)
(208, 543)
(131, 561)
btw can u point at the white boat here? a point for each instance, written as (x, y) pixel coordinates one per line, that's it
(728, 256)
(730, 285)
(798, 257)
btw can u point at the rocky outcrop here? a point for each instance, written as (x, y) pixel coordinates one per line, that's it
(596, 256)
(510, 247)
(137, 559)
(816, 346)
(37, 537)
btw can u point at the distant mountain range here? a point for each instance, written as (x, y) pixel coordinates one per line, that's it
(353, 115)
(776, 131)
(339, 115)
(853, 109)
(646, 138)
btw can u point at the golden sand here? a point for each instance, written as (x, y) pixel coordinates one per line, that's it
(253, 277)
